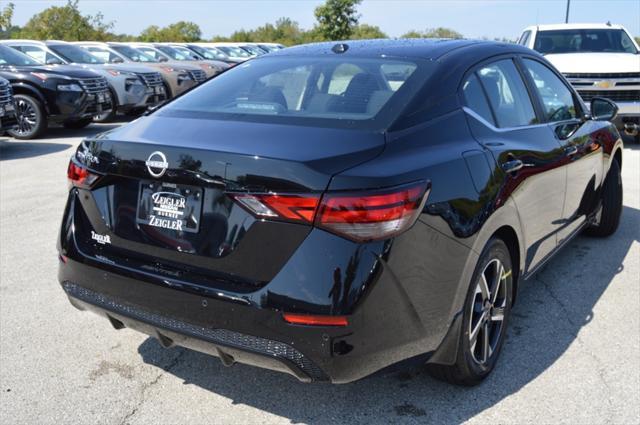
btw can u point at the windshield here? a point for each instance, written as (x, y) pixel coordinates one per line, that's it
(173, 53)
(234, 52)
(75, 54)
(289, 89)
(268, 48)
(133, 54)
(584, 40)
(9, 56)
(186, 52)
(253, 50)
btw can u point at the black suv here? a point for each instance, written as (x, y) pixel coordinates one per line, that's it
(336, 208)
(7, 106)
(45, 94)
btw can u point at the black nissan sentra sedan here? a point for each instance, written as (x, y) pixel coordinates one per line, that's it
(331, 209)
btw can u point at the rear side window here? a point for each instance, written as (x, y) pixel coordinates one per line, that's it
(475, 99)
(556, 97)
(507, 94)
(321, 88)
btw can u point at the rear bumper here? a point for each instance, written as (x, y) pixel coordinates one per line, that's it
(229, 346)
(249, 334)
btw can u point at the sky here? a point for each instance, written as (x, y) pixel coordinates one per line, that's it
(472, 18)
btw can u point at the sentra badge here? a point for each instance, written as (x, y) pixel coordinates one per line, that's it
(157, 164)
(101, 239)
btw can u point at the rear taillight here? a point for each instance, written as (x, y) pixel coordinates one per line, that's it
(297, 208)
(360, 216)
(80, 176)
(372, 215)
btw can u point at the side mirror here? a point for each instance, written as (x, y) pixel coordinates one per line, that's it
(54, 61)
(603, 109)
(117, 59)
(163, 59)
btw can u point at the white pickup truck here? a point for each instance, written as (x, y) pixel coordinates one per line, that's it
(598, 60)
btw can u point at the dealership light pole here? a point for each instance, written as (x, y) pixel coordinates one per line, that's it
(566, 17)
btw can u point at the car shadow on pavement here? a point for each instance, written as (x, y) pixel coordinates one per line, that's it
(18, 149)
(551, 310)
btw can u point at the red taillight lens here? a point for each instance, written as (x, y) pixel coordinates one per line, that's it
(374, 215)
(359, 216)
(80, 176)
(301, 208)
(314, 320)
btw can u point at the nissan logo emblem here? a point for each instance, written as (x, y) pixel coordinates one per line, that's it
(157, 164)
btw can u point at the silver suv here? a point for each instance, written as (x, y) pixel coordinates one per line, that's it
(177, 77)
(133, 88)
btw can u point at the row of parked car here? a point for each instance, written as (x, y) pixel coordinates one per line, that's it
(74, 84)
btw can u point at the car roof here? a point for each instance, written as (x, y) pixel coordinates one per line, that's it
(432, 48)
(551, 27)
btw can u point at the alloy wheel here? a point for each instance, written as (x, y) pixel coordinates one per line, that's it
(27, 117)
(487, 311)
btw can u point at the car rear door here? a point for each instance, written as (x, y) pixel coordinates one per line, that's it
(579, 139)
(503, 118)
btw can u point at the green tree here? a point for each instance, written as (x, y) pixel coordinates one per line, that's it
(364, 31)
(181, 31)
(637, 40)
(439, 32)
(66, 23)
(7, 29)
(6, 14)
(284, 31)
(337, 19)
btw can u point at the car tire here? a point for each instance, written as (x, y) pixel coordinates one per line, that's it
(611, 203)
(78, 124)
(31, 117)
(486, 313)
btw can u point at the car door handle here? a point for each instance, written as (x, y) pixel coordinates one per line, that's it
(570, 150)
(512, 166)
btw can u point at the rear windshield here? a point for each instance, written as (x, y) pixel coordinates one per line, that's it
(324, 90)
(584, 40)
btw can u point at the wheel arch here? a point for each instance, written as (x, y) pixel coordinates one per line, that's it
(27, 89)
(509, 236)
(617, 156)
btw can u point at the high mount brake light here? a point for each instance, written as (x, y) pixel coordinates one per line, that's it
(360, 216)
(80, 176)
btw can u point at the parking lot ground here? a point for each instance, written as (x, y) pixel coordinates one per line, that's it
(572, 353)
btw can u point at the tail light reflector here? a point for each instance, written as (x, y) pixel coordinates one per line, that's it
(359, 216)
(314, 320)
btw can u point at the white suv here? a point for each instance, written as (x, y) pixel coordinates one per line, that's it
(598, 60)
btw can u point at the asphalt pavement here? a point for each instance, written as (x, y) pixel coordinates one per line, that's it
(572, 353)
